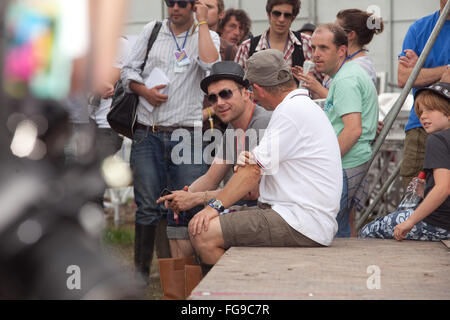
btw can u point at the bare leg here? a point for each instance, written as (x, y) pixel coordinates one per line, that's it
(181, 248)
(185, 248)
(174, 250)
(210, 244)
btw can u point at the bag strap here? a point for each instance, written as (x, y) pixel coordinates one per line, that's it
(298, 56)
(151, 41)
(253, 44)
(229, 53)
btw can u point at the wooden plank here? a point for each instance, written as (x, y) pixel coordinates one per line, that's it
(408, 270)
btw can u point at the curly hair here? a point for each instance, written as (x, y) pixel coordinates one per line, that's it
(220, 6)
(241, 16)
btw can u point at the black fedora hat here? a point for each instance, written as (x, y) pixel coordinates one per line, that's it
(224, 70)
(308, 27)
(440, 88)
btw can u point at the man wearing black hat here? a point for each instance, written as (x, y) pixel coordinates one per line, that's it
(230, 98)
(229, 95)
(308, 28)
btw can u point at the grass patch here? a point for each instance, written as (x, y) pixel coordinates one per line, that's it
(118, 236)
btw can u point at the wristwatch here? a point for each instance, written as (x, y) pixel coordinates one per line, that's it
(216, 204)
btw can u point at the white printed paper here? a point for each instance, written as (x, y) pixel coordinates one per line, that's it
(156, 78)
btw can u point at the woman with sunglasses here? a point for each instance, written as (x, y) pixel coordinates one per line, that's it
(356, 24)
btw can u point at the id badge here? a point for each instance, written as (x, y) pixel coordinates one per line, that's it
(179, 69)
(182, 58)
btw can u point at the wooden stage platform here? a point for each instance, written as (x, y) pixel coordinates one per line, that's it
(351, 269)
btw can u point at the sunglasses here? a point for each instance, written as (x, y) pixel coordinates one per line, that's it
(278, 14)
(181, 4)
(224, 94)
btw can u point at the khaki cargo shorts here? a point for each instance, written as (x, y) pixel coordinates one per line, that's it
(260, 228)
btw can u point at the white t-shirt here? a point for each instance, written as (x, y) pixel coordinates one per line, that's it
(99, 113)
(301, 161)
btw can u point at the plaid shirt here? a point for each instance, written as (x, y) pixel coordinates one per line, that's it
(244, 50)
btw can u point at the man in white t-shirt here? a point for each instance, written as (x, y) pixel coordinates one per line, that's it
(298, 163)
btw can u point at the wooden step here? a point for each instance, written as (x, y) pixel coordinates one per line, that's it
(361, 269)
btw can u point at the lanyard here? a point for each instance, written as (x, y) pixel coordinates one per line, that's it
(243, 138)
(345, 60)
(355, 54)
(350, 58)
(285, 46)
(175, 38)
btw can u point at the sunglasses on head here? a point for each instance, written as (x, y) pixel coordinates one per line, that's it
(278, 14)
(181, 4)
(224, 94)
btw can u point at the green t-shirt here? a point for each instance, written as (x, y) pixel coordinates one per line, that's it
(352, 91)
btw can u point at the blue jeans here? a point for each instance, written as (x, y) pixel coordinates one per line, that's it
(155, 168)
(344, 230)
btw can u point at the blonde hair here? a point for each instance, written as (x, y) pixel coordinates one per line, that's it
(432, 101)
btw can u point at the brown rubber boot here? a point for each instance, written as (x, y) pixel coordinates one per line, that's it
(193, 276)
(171, 271)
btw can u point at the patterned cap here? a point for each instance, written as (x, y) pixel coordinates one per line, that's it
(441, 88)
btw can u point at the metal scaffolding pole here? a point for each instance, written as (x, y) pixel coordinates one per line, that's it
(393, 113)
(380, 195)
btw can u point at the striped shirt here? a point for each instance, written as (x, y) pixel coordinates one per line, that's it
(184, 106)
(244, 50)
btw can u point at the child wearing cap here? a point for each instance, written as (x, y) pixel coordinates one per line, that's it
(431, 219)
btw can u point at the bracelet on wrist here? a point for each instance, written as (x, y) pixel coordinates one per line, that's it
(216, 205)
(205, 198)
(202, 22)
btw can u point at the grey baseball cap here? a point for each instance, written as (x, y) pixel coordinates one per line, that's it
(268, 68)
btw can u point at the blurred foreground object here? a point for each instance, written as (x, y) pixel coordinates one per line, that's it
(43, 37)
(49, 230)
